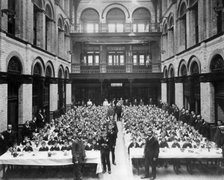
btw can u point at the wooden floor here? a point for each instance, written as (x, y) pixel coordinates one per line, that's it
(122, 171)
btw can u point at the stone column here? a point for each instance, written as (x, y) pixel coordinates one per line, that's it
(53, 98)
(3, 106)
(68, 95)
(179, 96)
(130, 87)
(25, 103)
(207, 101)
(164, 92)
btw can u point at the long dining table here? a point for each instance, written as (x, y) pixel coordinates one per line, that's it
(54, 158)
(177, 156)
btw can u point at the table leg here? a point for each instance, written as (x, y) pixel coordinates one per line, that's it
(189, 166)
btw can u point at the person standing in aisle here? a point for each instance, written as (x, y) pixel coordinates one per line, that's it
(105, 152)
(151, 153)
(78, 156)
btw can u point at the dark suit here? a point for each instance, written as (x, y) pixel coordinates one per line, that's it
(151, 151)
(105, 153)
(78, 157)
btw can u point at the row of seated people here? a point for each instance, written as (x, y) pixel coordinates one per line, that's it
(167, 129)
(87, 122)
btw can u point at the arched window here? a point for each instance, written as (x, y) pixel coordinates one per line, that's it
(194, 68)
(141, 19)
(60, 38)
(15, 66)
(48, 72)
(182, 27)
(67, 42)
(171, 36)
(48, 28)
(11, 16)
(90, 21)
(165, 73)
(37, 71)
(165, 39)
(183, 70)
(217, 64)
(194, 35)
(115, 20)
(37, 20)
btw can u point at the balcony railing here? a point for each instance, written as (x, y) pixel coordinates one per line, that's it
(103, 28)
(116, 69)
(90, 69)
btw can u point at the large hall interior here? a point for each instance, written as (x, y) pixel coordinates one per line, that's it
(96, 72)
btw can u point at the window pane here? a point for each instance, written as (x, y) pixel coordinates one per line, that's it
(121, 60)
(90, 28)
(120, 28)
(142, 60)
(97, 59)
(134, 27)
(96, 27)
(135, 60)
(84, 60)
(110, 60)
(90, 60)
(141, 28)
(116, 60)
(111, 27)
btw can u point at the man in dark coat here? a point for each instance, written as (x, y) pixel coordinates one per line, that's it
(105, 152)
(78, 156)
(40, 120)
(112, 136)
(151, 153)
(9, 137)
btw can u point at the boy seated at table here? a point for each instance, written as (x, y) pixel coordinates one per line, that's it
(28, 147)
(175, 144)
(187, 144)
(43, 146)
(133, 144)
(65, 146)
(163, 143)
(55, 147)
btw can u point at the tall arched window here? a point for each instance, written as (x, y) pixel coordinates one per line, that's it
(182, 27)
(171, 86)
(90, 21)
(61, 89)
(11, 16)
(67, 42)
(171, 40)
(165, 39)
(48, 28)
(194, 22)
(37, 20)
(60, 38)
(115, 20)
(141, 19)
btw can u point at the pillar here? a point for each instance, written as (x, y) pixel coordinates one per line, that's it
(164, 92)
(25, 103)
(207, 101)
(179, 101)
(53, 98)
(3, 106)
(130, 87)
(68, 95)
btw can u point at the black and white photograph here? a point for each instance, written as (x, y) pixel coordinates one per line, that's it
(111, 89)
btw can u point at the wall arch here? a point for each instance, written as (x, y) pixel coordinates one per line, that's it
(213, 54)
(40, 61)
(171, 71)
(191, 62)
(90, 14)
(115, 5)
(15, 54)
(182, 65)
(61, 68)
(49, 9)
(143, 14)
(165, 72)
(50, 64)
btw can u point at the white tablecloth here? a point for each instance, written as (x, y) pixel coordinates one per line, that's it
(58, 158)
(175, 153)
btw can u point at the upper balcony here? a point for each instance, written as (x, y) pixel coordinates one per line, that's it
(117, 28)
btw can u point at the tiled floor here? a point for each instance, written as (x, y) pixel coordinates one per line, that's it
(123, 170)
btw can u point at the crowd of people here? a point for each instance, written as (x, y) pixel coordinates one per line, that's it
(170, 132)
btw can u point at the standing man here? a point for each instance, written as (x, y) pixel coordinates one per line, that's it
(78, 156)
(9, 137)
(151, 153)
